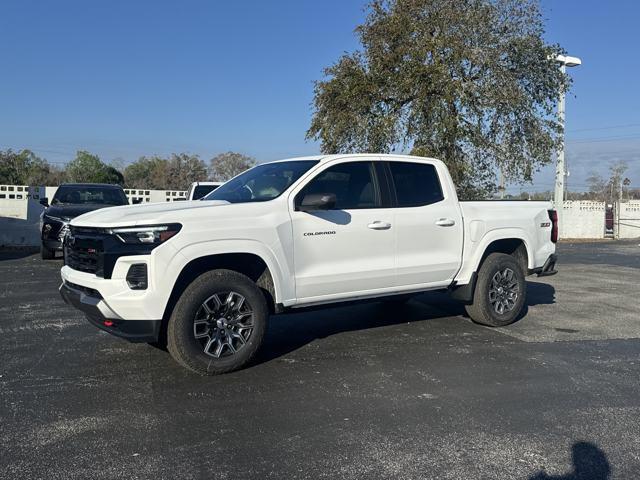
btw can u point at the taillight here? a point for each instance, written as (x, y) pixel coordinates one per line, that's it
(553, 216)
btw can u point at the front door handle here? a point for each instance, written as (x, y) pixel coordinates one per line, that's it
(378, 225)
(445, 222)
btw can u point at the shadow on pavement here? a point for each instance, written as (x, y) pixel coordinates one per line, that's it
(539, 293)
(589, 463)
(291, 331)
(17, 253)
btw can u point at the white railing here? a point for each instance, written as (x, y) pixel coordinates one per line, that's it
(13, 192)
(136, 195)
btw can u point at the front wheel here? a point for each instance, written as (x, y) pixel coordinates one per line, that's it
(500, 291)
(218, 323)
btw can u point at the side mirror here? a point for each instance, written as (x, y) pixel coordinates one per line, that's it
(44, 201)
(136, 201)
(317, 201)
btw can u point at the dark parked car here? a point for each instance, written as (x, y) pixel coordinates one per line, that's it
(69, 201)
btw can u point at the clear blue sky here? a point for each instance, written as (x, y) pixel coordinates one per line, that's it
(128, 78)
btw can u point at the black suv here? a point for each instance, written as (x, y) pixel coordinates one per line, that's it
(69, 201)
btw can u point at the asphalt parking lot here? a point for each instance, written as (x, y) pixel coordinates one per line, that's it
(367, 391)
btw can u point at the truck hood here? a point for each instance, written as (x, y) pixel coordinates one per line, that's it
(71, 211)
(149, 214)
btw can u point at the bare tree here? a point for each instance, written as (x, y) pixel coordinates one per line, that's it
(184, 169)
(597, 186)
(174, 173)
(611, 189)
(147, 172)
(617, 171)
(225, 166)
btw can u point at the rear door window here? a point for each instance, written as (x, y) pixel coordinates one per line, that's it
(416, 184)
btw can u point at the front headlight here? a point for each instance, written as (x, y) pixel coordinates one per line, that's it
(150, 235)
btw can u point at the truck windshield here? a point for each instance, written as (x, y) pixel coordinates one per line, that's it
(81, 194)
(261, 183)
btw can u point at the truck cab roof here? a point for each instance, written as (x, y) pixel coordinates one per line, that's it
(379, 156)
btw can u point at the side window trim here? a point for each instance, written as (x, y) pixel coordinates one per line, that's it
(387, 191)
(391, 185)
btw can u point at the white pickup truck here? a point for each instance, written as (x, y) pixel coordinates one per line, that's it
(197, 190)
(204, 276)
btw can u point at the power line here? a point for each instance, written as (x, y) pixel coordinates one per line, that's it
(604, 139)
(609, 127)
(635, 153)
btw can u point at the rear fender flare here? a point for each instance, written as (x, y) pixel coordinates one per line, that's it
(495, 235)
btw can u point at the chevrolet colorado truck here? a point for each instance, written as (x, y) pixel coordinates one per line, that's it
(204, 276)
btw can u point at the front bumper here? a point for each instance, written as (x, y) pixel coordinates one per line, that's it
(98, 313)
(52, 244)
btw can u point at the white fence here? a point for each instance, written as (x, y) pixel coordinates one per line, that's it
(20, 214)
(629, 219)
(154, 196)
(583, 219)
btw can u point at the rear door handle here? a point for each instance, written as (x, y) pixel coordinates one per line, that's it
(378, 225)
(445, 222)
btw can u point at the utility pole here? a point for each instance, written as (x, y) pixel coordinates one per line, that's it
(560, 169)
(564, 61)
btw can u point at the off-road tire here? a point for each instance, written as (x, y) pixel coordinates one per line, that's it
(181, 342)
(481, 310)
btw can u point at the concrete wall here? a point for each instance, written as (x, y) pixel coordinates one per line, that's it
(629, 220)
(582, 219)
(20, 215)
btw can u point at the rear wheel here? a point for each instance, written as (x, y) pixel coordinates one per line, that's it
(47, 253)
(500, 291)
(218, 323)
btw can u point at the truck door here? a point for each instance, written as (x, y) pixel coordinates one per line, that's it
(349, 247)
(428, 222)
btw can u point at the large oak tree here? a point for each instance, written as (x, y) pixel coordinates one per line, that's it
(471, 82)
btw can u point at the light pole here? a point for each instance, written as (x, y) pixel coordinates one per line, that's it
(564, 61)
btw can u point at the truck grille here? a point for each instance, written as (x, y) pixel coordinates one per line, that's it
(82, 260)
(83, 249)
